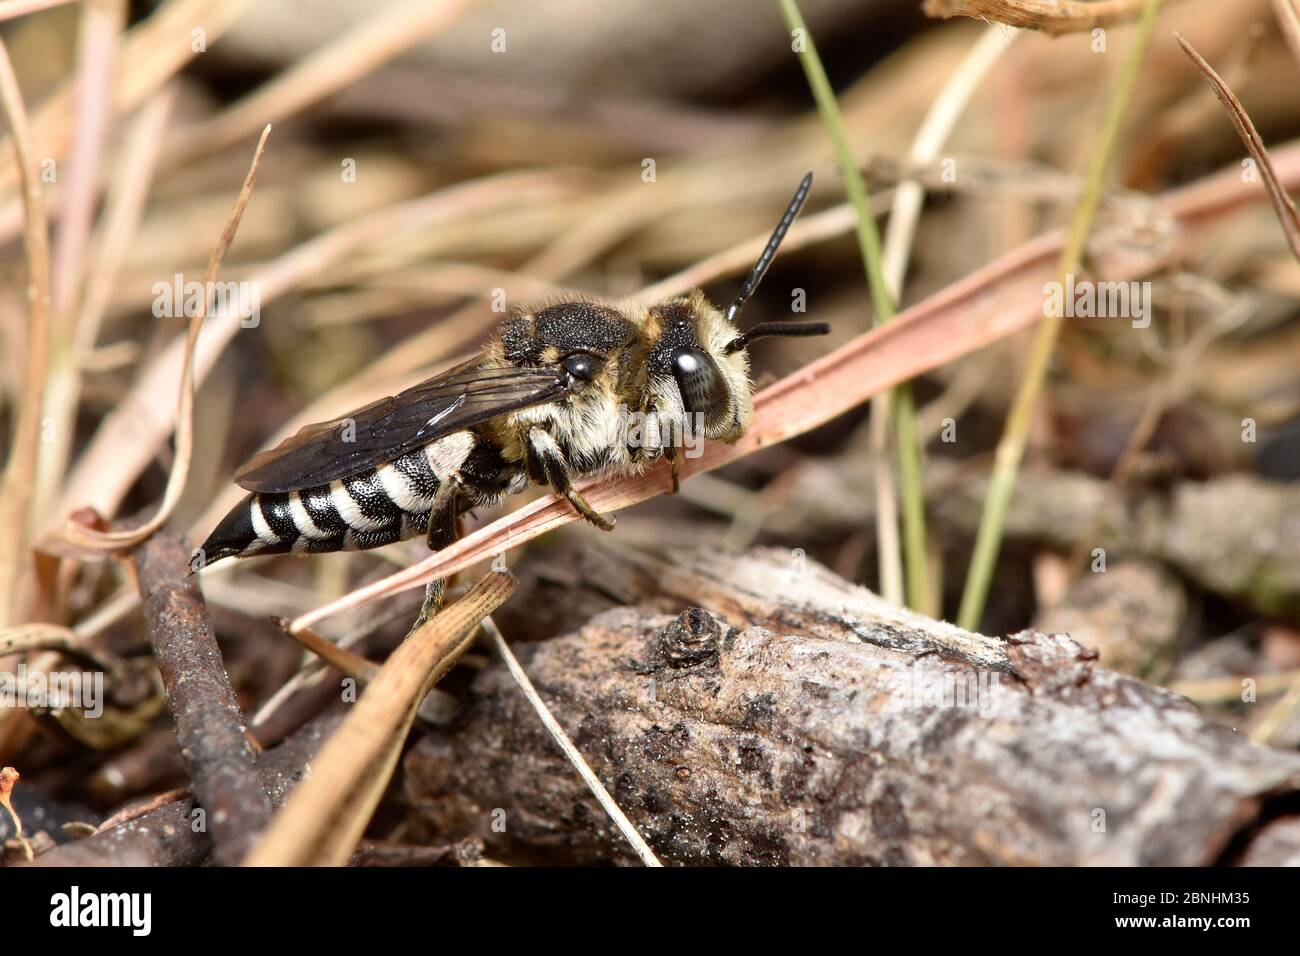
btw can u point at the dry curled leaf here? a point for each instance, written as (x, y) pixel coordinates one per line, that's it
(77, 540)
(1282, 204)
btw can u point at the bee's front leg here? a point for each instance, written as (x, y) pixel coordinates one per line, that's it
(553, 465)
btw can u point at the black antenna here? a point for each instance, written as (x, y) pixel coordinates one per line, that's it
(769, 252)
(764, 329)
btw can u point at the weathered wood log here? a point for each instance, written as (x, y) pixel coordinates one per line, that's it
(802, 720)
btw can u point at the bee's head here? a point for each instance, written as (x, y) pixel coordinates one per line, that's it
(700, 365)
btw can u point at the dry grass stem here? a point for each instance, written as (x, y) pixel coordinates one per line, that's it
(1288, 17)
(122, 211)
(152, 52)
(1282, 203)
(1015, 435)
(17, 488)
(900, 230)
(13, 9)
(101, 25)
(908, 563)
(339, 64)
(571, 753)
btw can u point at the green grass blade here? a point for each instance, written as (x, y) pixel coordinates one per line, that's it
(909, 452)
(1011, 447)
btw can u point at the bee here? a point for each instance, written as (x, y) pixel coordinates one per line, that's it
(547, 401)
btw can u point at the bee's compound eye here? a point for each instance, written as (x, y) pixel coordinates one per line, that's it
(580, 366)
(702, 388)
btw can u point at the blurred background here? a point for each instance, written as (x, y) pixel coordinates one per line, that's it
(424, 155)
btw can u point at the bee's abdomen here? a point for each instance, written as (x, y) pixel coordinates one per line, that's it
(368, 510)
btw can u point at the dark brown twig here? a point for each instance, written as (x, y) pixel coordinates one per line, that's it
(209, 724)
(166, 836)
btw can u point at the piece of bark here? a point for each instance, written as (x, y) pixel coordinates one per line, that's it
(804, 722)
(209, 724)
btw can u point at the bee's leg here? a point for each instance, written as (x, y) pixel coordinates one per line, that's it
(442, 532)
(678, 453)
(587, 511)
(547, 454)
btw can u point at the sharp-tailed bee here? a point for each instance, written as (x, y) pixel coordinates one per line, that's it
(546, 401)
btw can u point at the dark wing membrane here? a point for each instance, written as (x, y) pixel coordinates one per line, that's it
(389, 428)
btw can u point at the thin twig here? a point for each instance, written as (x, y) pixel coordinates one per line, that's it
(1228, 690)
(137, 810)
(209, 725)
(165, 835)
(571, 752)
(311, 672)
(52, 637)
(1278, 714)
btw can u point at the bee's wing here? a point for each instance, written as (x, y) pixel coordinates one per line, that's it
(389, 428)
